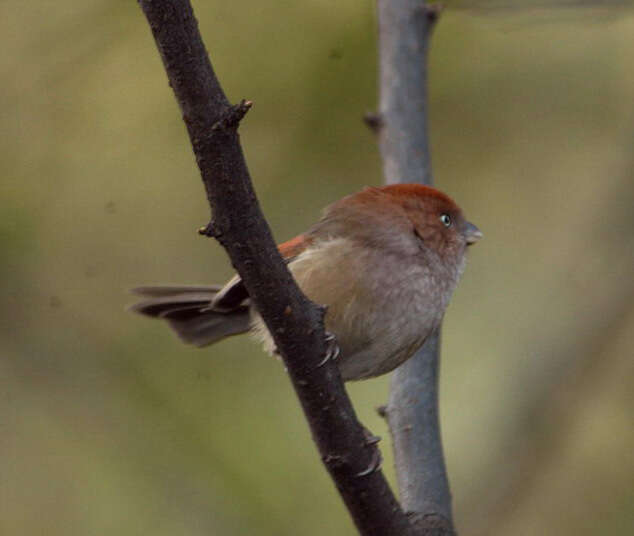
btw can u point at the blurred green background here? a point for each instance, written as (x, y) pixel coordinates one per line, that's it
(108, 425)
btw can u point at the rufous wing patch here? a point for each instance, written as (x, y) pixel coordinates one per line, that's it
(293, 247)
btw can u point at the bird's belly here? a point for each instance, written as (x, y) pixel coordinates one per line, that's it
(394, 323)
(393, 337)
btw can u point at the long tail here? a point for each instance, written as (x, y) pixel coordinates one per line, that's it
(189, 312)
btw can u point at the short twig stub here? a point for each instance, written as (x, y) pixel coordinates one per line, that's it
(232, 117)
(433, 11)
(209, 230)
(373, 120)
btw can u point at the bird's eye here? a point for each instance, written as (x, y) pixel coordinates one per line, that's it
(445, 219)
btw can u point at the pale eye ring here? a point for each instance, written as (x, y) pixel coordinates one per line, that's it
(445, 219)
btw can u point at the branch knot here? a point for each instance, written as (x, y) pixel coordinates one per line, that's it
(209, 230)
(432, 12)
(374, 121)
(233, 115)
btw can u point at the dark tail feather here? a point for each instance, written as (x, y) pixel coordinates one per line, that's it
(188, 312)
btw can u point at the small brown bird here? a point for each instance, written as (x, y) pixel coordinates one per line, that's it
(384, 260)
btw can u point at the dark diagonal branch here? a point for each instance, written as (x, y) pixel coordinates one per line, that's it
(295, 323)
(405, 28)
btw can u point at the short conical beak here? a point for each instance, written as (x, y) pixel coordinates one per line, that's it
(472, 233)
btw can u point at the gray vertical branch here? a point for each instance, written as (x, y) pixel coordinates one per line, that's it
(405, 28)
(404, 33)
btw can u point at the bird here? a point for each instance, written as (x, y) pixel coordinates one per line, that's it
(383, 261)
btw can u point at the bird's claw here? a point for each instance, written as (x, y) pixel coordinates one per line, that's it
(377, 460)
(332, 349)
(375, 464)
(370, 438)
